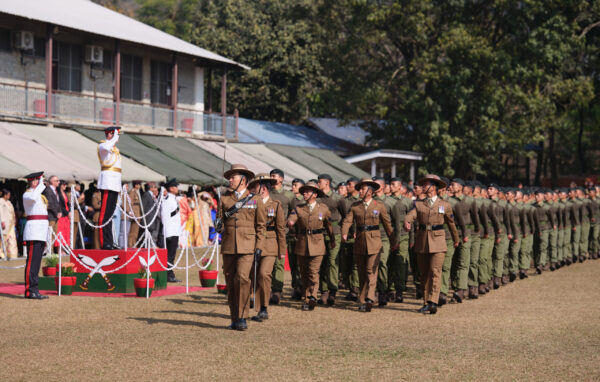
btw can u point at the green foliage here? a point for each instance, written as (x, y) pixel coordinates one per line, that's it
(143, 273)
(51, 260)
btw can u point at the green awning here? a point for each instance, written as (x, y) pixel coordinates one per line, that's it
(191, 155)
(337, 162)
(309, 161)
(154, 159)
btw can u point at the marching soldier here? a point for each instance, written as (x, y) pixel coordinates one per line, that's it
(368, 215)
(595, 226)
(275, 244)
(312, 221)
(528, 228)
(567, 224)
(399, 263)
(430, 244)
(586, 217)
(383, 274)
(576, 230)
(134, 209)
(109, 183)
(511, 263)
(291, 242)
(502, 240)
(553, 215)
(348, 268)
(446, 195)
(285, 198)
(242, 220)
(171, 222)
(329, 267)
(35, 233)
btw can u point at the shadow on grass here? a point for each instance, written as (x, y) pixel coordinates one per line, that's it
(152, 321)
(18, 296)
(199, 314)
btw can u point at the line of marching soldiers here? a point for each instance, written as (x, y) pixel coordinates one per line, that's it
(458, 236)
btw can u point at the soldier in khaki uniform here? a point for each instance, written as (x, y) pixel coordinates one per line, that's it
(595, 226)
(134, 209)
(275, 244)
(368, 214)
(311, 220)
(430, 243)
(243, 227)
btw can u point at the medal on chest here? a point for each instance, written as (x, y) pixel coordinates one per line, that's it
(375, 213)
(271, 212)
(320, 216)
(441, 209)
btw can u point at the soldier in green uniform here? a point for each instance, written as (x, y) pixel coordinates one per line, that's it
(330, 265)
(553, 216)
(468, 191)
(586, 215)
(489, 223)
(560, 259)
(501, 243)
(418, 194)
(446, 194)
(291, 239)
(348, 268)
(595, 220)
(542, 230)
(527, 226)
(382, 275)
(576, 230)
(285, 197)
(398, 262)
(514, 212)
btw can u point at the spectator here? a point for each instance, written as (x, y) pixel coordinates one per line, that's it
(148, 200)
(64, 222)
(8, 221)
(54, 208)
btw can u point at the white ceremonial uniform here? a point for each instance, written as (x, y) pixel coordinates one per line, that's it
(34, 204)
(110, 164)
(170, 216)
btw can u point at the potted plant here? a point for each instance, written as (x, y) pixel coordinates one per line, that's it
(142, 281)
(50, 265)
(222, 288)
(208, 276)
(67, 279)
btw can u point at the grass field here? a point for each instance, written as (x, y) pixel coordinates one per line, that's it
(544, 328)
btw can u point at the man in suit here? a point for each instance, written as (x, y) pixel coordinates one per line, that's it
(312, 221)
(149, 199)
(54, 205)
(275, 244)
(135, 209)
(171, 222)
(368, 214)
(430, 215)
(242, 219)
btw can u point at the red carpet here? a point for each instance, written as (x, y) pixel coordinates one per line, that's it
(19, 289)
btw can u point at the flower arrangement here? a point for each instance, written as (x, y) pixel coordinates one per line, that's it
(51, 260)
(144, 273)
(68, 269)
(207, 265)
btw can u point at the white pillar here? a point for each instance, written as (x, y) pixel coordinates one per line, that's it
(381, 172)
(412, 171)
(373, 168)
(199, 89)
(393, 169)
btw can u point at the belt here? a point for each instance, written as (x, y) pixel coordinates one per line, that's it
(108, 168)
(311, 231)
(363, 228)
(37, 217)
(271, 228)
(430, 227)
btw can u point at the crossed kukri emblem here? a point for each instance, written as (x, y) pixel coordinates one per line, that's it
(97, 268)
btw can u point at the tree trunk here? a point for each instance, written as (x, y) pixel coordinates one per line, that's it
(539, 165)
(583, 165)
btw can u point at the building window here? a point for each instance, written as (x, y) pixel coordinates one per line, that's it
(160, 83)
(131, 77)
(66, 69)
(4, 39)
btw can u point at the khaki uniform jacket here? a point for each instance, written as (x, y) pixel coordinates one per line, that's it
(135, 204)
(429, 241)
(275, 244)
(311, 245)
(368, 242)
(245, 231)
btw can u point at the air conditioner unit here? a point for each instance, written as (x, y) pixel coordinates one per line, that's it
(24, 40)
(93, 54)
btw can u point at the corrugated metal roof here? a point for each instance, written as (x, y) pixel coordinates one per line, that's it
(87, 16)
(351, 132)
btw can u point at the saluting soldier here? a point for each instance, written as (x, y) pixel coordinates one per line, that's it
(171, 222)
(430, 244)
(275, 244)
(285, 197)
(330, 266)
(368, 214)
(134, 209)
(312, 221)
(242, 219)
(35, 233)
(109, 183)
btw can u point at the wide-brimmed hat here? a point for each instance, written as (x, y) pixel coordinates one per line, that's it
(262, 177)
(432, 178)
(367, 182)
(312, 186)
(238, 169)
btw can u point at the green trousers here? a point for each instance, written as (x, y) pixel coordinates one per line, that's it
(541, 248)
(474, 260)
(414, 267)
(348, 268)
(278, 274)
(329, 273)
(525, 252)
(513, 255)
(567, 249)
(398, 266)
(383, 273)
(584, 239)
(500, 251)
(594, 237)
(485, 260)
(462, 262)
(446, 268)
(575, 241)
(553, 245)
(560, 245)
